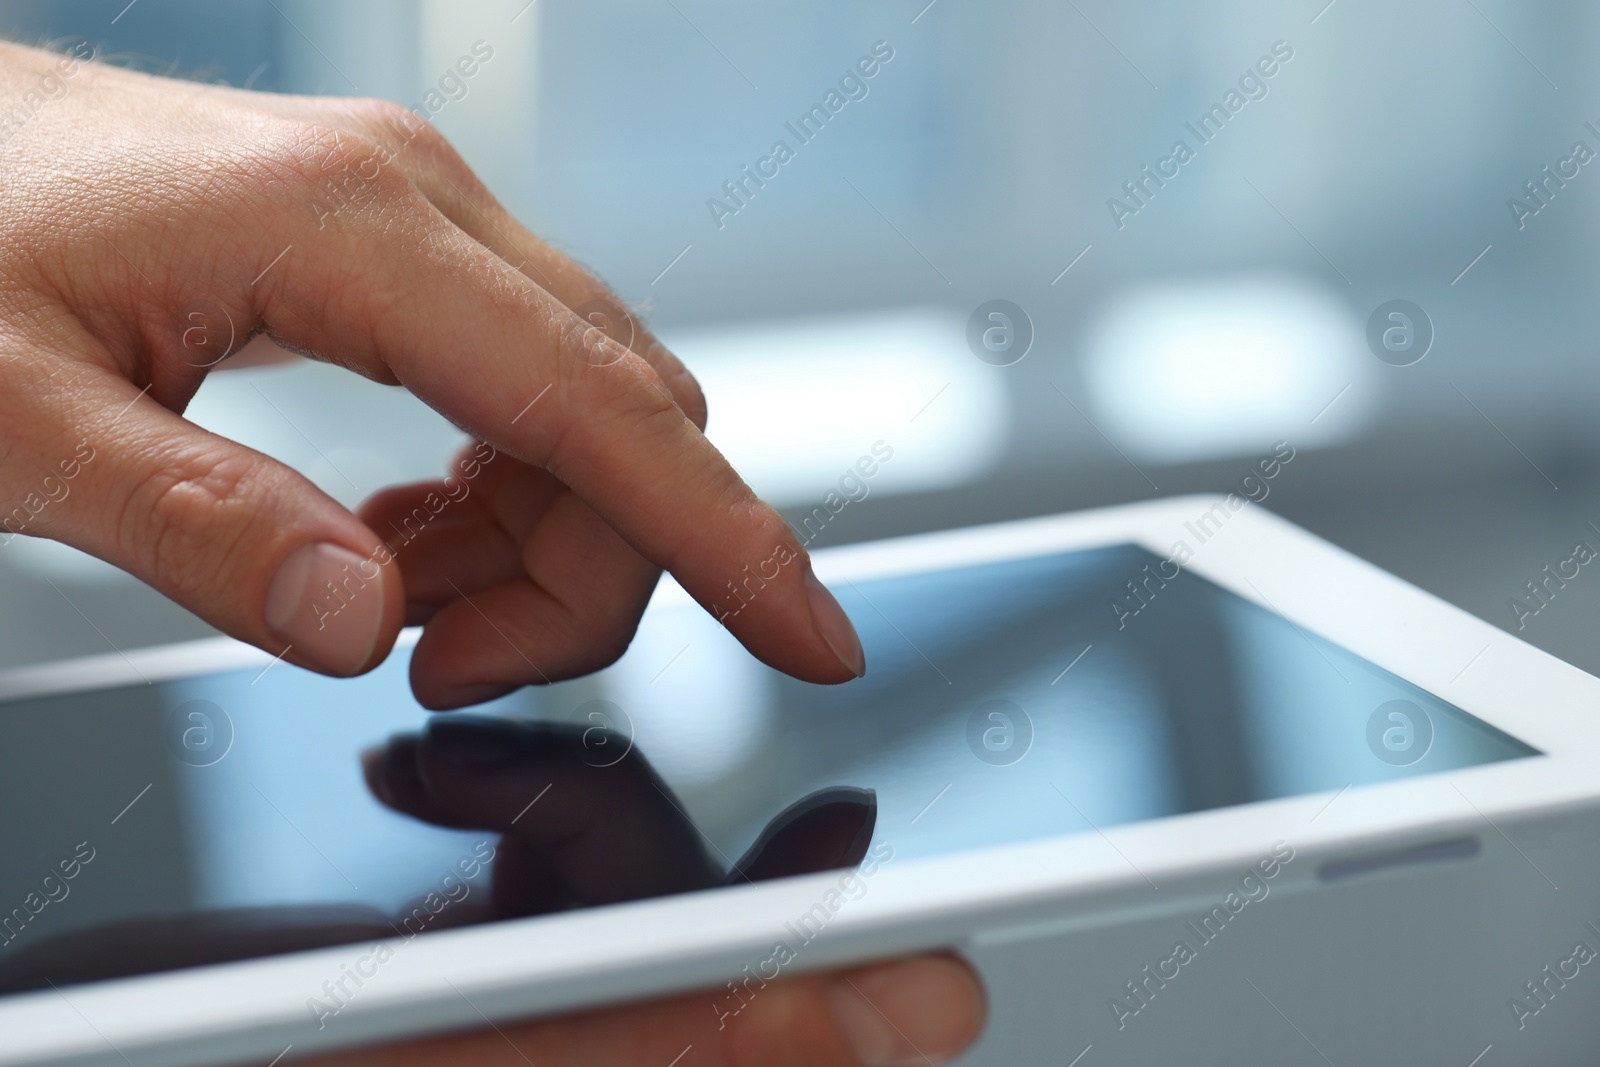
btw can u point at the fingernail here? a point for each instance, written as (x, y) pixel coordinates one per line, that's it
(476, 740)
(327, 602)
(919, 1011)
(834, 625)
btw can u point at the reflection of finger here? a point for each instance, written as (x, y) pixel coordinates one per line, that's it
(613, 833)
(829, 829)
(527, 881)
(922, 1010)
(391, 772)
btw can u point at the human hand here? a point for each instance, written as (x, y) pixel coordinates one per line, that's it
(923, 1010)
(150, 226)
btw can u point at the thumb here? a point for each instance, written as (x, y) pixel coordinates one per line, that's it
(241, 540)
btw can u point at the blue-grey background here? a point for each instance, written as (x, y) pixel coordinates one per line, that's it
(828, 311)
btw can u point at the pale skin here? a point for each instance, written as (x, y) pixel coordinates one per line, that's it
(149, 227)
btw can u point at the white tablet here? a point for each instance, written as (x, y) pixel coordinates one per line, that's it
(1067, 724)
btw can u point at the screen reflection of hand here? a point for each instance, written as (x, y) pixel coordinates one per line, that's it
(602, 830)
(579, 826)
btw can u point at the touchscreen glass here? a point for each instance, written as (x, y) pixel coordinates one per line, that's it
(254, 812)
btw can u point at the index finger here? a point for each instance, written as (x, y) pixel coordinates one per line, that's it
(422, 154)
(419, 301)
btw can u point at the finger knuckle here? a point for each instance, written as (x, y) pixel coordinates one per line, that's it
(408, 131)
(645, 412)
(187, 517)
(594, 375)
(595, 333)
(337, 172)
(293, 154)
(610, 329)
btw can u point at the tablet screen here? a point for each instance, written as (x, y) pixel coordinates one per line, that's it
(230, 815)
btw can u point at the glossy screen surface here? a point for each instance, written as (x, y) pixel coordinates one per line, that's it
(228, 814)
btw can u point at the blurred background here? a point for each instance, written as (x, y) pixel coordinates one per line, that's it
(1158, 338)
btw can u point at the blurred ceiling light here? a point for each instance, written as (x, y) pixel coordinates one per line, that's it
(1185, 372)
(794, 404)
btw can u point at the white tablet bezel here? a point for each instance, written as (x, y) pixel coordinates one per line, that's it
(512, 969)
